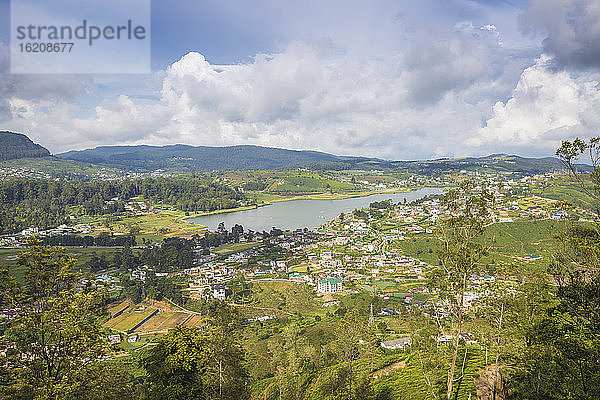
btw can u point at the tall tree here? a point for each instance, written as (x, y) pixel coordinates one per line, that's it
(199, 363)
(469, 208)
(55, 335)
(349, 332)
(561, 352)
(293, 355)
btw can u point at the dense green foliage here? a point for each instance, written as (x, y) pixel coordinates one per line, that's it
(199, 363)
(55, 333)
(202, 158)
(153, 287)
(103, 239)
(170, 255)
(48, 203)
(555, 333)
(540, 327)
(16, 145)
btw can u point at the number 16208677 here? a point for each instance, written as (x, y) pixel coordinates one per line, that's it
(45, 47)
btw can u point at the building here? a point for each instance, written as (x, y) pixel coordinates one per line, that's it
(329, 285)
(114, 338)
(397, 344)
(218, 291)
(139, 274)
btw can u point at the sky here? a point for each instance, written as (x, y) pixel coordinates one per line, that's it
(380, 78)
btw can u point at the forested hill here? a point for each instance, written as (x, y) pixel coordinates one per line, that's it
(202, 158)
(182, 158)
(17, 145)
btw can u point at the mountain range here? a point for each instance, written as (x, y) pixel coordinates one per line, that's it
(184, 158)
(203, 158)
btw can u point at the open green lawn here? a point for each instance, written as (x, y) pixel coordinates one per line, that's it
(154, 226)
(570, 192)
(233, 247)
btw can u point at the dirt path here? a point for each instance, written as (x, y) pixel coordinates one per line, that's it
(389, 369)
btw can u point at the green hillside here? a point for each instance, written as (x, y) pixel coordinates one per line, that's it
(17, 145)
(183, 158)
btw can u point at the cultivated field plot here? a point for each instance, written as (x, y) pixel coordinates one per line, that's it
(164, 320)
(133, 315)
(195, 320)
(166, 317)
(116, 307)
(130, 317)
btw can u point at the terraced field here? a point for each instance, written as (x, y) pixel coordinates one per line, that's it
(194, 320)
(129, 318)
(164, 320)
(161, 317)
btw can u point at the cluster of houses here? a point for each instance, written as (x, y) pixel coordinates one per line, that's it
(60, 230)
(21, 238)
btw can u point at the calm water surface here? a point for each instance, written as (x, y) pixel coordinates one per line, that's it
(302, 213)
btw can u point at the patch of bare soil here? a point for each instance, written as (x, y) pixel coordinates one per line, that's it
(485, 384)
(328, 297)
(389, 369)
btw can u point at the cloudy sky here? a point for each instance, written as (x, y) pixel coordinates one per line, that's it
(384, 78)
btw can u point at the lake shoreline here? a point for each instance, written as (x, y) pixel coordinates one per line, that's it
(311, 217)
(318, 196)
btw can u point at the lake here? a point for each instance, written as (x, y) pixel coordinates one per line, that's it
(293, 214)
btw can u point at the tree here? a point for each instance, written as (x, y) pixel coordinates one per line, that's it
(348, 334)
(570, 152)
(469, 208)
(177, 365)
(196, 363)
(230, 378)
(561, 352)
(55, 336)
(293, 355)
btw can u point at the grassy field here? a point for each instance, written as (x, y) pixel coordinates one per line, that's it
(154, 226)
(509, 242)
(567, 191)
(233, 247)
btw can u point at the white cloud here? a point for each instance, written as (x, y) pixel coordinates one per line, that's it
(546, 107)
(428, 99)
(310, 96)
(382, 80)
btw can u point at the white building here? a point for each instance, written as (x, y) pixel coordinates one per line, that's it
(218, 291)
(329, 285)
(139, 274)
